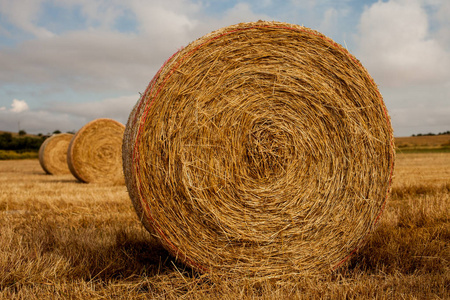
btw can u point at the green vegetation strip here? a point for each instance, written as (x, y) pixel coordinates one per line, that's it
(19, 147)
(10, 154)
(442, 149)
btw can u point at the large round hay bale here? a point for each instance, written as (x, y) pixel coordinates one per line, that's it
(53, 154)
(95, 152)
(260, 149)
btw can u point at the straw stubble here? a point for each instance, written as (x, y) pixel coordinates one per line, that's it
(260, 149)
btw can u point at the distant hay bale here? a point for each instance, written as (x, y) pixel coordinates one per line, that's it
(53, 154)
(261, 149)
(95, 152)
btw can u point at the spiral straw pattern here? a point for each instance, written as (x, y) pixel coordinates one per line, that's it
(53, 154)
(261, 149)
(95, 152)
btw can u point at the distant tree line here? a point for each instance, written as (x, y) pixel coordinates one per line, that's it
(430, 133)
(20, 143)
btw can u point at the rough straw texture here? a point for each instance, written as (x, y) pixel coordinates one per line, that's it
(261, 149)
(95, 152)
(53, 154)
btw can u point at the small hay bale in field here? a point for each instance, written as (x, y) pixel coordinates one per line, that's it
(95, 152)
(260, 149)
(53, 154)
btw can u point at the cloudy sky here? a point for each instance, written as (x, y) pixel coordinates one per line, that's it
(64, 63)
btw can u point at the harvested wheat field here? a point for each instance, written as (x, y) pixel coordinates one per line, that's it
(63, 239)
(423, 141)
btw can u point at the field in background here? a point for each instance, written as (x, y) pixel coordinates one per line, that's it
(64, 239)
(424, 143)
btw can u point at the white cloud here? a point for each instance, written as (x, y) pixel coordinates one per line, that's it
(420, 119)
(332, 19)
(40, 121)
(241, 12)
(309, 4)
(396, 47)
(24, 15)
(405, 47)
(99, 59)
(101, 14)
(18, 106)
(97, 12)
(93, 60)
(402, 43)
(115, 108)
(171, 18)
(68, 116)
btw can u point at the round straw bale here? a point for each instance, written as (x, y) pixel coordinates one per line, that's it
(53, 154)
(260, 149)
(95, 152)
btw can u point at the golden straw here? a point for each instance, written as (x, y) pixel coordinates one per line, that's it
(261, 149)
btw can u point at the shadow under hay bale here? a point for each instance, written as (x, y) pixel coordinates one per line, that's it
(94, 154)
(261, 149)
(53, 154)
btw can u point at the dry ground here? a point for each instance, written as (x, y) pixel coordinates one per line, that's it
(60, 239)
